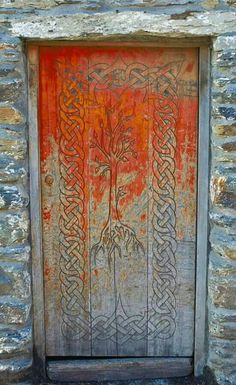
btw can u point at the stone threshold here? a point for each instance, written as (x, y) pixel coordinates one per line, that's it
(206, 379)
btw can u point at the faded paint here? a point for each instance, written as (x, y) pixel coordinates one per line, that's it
(98, 139)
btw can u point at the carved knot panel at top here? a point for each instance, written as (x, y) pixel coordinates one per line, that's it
(134, 75)
(78, 93)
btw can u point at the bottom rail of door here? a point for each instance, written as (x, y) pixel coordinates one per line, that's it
(117, 368)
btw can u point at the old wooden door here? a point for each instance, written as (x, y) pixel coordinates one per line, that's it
(118, 136)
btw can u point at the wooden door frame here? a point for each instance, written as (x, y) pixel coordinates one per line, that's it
(202, 195)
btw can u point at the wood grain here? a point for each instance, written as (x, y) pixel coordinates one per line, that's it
(202, 211)
(118, 369)
(118, 131)
(35, 212)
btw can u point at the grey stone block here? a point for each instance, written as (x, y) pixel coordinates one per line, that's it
(14, 227)
(11, 170)
(12, 143)
(15, 341)
(12, 197)
(13, 312)
(16, 253)
(13, 367)
(228, 112)
(15, 280)
(10, 90)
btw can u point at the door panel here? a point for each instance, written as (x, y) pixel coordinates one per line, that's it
(118, 134)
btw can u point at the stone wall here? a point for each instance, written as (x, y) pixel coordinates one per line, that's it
(97, 19)
(222, 266)
(15, 285)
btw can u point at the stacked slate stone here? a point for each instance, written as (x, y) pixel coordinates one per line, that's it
(222, 268)
(15, 278)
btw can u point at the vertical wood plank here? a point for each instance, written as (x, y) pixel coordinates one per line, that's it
(35, 211)
(64, 165)
(202, 212)
(180, 268)
(124, 298)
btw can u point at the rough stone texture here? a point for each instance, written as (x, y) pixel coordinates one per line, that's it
(115, 19)
(9, 115)
(222, 269)
(116, 24)
(15, 276)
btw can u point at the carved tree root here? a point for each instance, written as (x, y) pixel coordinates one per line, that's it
(119, 240)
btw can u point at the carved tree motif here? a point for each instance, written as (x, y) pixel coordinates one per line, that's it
(115, 146)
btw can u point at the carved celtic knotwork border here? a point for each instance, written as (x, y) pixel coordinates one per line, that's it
(72, 210)
(161, 317)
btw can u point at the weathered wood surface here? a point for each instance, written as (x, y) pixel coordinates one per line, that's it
(118, 164)
(35, 207)
(202, 210)
(118, 369)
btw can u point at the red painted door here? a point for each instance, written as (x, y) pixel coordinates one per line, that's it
(118, 132)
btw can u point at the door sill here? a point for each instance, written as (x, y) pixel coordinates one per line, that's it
(118, 369)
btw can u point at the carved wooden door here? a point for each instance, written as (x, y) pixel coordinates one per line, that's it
(118, 133)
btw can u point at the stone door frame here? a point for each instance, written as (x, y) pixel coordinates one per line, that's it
(202, 186)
